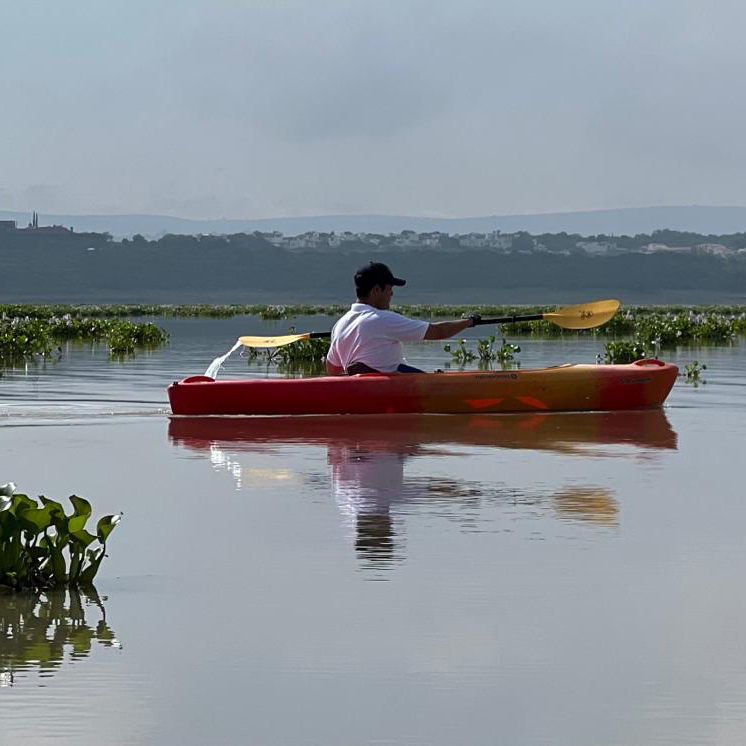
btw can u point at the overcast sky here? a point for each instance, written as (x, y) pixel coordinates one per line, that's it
(262, 108)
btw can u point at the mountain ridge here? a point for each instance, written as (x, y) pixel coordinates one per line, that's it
(627, 220)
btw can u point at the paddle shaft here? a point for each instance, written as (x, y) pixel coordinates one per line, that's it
(510, 319)
(504, 320)
(585, 316)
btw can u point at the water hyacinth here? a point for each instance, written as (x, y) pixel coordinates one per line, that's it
(42, 546)
(27, 338)
(699, 323)
(307, 356)
(486, 352)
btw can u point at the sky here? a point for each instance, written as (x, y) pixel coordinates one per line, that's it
(266, 108)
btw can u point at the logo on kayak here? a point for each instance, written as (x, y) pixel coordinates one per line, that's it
(499, 376)
(585, 314)
(634, 380)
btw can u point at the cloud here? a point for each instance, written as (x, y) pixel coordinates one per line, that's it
(280, 107)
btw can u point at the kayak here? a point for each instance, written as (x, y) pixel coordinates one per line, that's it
(564, 388)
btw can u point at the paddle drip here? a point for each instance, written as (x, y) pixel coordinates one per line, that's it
(217, 363)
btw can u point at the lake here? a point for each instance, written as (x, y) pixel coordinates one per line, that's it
(519, 579)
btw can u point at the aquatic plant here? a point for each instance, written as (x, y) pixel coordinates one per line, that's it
(303, 352)
(504, 353)
(485, 352)
(43, 547)
(461, 354)
(673, 324)
(25, 338)
(625, 351)
(693, 373)
(39, 629)
(306, 356)
(124, 337)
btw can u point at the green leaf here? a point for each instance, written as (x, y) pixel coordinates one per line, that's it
(55, 508)
(35, 520)
(77, 523)
(23, 502)
(81, 506)
(75, 565)
(82, 538)
(59, 571)
(95, 557)
(106, 525)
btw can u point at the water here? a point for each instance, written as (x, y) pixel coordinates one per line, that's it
(526, 579)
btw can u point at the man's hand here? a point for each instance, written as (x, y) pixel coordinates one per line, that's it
(475, 318)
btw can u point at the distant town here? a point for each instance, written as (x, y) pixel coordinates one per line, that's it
(496, 241)
(661, 241)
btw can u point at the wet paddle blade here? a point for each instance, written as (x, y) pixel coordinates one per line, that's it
(585, 316)
(272, 341)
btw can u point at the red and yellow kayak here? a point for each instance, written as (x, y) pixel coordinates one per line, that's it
(565, 388)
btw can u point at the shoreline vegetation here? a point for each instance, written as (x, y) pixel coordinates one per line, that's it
(31, 331)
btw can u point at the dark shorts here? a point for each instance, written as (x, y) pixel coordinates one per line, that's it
(356, 368)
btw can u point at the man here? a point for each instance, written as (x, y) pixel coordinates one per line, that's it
(368, 338)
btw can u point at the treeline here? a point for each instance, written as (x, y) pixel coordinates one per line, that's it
(522, 241)
(65, 269)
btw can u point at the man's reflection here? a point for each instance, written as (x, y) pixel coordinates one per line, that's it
(367, 457)
(367, 479)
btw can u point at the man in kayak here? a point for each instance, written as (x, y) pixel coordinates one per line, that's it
(368, 338)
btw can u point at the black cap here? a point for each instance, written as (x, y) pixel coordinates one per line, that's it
(375, 273)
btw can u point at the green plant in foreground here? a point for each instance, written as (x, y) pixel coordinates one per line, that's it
(693, 373)
(43, 547)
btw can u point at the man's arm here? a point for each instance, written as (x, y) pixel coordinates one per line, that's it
(445, 329)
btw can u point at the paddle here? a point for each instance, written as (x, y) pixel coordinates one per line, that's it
(584, 316)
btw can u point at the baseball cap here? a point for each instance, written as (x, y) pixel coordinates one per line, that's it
(375, 273)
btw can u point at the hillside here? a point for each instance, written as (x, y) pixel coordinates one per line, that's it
(696, 218)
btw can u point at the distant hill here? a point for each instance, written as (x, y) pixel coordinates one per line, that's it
(696, 218)
(73, 267)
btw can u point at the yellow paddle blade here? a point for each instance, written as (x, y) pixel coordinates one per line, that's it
(585, 316)
(272, 341)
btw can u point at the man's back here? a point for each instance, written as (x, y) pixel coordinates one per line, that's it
(374, 337)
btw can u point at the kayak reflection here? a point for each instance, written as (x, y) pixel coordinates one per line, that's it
(561, 432)
(367, 457)
(38, 629)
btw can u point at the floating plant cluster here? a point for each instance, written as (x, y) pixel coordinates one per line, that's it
(42, 546)
(24, 338)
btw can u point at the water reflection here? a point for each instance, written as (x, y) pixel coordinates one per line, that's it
(367, 457)
(595, 505)
(561, 432)
(40, 630)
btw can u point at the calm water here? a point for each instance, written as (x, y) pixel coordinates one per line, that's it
(560, 579)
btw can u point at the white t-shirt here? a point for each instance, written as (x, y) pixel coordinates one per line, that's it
(374, 337)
